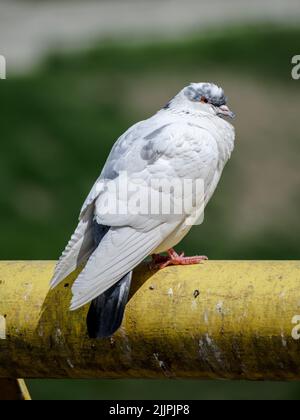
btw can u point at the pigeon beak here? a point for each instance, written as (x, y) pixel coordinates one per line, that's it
(224, 110)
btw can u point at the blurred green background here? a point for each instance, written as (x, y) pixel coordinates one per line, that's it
(60, 120)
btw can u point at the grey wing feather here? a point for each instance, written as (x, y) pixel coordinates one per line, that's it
(78, 250)
(121, 250)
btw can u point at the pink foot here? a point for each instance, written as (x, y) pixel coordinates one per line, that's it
(173, 258)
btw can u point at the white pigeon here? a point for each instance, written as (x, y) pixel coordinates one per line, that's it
(188, 138)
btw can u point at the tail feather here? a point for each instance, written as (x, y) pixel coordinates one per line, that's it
(107, 310)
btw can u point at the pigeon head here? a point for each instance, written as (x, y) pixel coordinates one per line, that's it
(203, 98)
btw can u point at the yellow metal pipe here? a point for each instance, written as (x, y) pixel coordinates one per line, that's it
(234, 320)
(13, 390)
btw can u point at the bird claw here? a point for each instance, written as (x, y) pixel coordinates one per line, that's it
(160, 261)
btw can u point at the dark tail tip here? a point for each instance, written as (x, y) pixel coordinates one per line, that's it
(106, 312)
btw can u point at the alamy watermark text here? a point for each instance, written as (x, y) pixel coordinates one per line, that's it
(296, 67)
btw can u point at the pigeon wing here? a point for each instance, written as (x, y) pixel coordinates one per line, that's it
(78, 250)
(125, 155)
(121, 250)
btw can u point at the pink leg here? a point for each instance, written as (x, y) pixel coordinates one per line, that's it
(175, 259)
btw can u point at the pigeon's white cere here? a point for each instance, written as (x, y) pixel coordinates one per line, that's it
(188, 138)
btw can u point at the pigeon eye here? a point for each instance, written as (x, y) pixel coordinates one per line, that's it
(205, 100)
